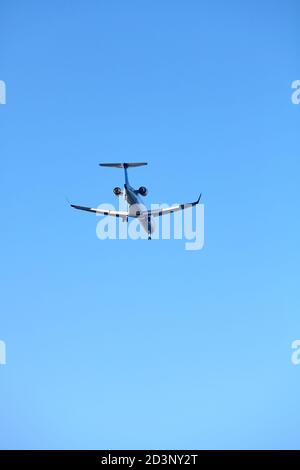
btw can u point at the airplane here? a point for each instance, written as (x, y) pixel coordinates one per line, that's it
(136, 208)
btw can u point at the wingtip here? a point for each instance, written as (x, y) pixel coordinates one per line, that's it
(198, 200)
(68, 200)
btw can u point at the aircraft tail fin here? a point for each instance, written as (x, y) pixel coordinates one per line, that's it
(122, 165)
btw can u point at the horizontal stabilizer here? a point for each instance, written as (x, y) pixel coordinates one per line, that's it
(122, 165)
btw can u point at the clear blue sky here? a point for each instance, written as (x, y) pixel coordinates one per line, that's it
(136, 344)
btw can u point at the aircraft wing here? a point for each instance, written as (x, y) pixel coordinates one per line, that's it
(169, 210)
(122, 214)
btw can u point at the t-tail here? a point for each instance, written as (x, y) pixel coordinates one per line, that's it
(123, 165)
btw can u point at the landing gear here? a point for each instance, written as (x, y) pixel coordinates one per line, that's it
(149, 227)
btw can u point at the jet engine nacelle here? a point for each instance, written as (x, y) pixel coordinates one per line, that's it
(143, 191)
(117, 191)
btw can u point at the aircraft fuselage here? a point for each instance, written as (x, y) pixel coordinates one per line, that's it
(136, 207)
